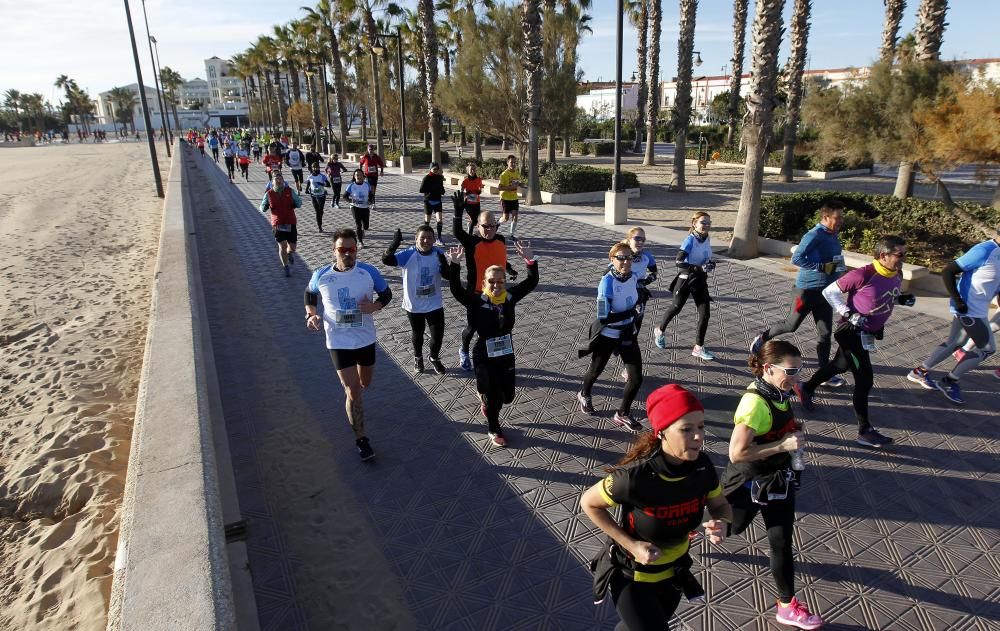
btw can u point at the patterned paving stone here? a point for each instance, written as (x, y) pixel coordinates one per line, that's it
(480, 538)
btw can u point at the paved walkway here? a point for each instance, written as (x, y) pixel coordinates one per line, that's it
(456, 535)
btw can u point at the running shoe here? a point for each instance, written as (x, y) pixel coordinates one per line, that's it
(758, 342)
(805, 396)
(959, 354)
(365, 450)
(996, 373)
(795, 614)
(834, 382)
(923, 377)
(701, 353)
(629, 423)
(872, 438)
(439, 243)
(624, 374)
(661, 339)
(336, 204)
(951, 389)
(498, 439)
(586, 403)
(465, 361)
(418, 365)
(438, 366)
(288, 272)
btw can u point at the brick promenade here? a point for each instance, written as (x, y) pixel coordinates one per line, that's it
(455, 534)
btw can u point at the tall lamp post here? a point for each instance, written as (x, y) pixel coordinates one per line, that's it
(163, 93)
(326, 105)
(156, 82)
(405, 161)
(616, 200)
(145, 106)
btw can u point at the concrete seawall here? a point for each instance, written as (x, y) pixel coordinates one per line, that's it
(172, 568)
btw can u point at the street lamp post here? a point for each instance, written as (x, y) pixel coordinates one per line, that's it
(616, 200)
(156, 82)
(162, 91)
(326, 104)
(145, 106)
(405, 162)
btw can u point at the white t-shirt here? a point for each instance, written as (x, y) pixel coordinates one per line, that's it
(315, 184)
(699, 252)
(359, 194)
(614, 296)
(980, 279)
(421, 279)
(295, 159)
(345, 326)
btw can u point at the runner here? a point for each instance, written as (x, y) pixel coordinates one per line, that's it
(695, 262)
(255, 149)
(763, 474)
(295, 159)
(282, 201)
(229, 155)
(864, 298)
(201, 145)
(820, 260)
(509, 183)
(483, 249)
(316, 188)
(994, 326)
(371, 165)
(243, 158)
(615, 331)
(472, 186)
(273, 161)
(213, 144)
(351, 292)
(358, 193)
(492, 316)
(313, 158)
(663, 485)
(644, 269)
(979, 269)
(423, 268)
(334, 171)
(432, 187)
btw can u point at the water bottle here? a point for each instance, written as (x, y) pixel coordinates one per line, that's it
(798, 459)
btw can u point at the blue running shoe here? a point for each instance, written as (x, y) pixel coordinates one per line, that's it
(951, 389)
(465, 361)
(661, 339)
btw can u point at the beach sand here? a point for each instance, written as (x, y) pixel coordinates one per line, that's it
(79, 227)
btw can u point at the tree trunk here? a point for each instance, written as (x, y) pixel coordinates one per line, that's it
(311, 88)
(736, 79)
(464, 137)
(904, 180)
(567, 141)
(377, 97)
(893, 15)
(929, 30)
(550, 148)
(296, 87)
(653, 98)
(531, 27)
(426, 12)
(682, 104)
(338, 81)
(757, 126)
(477, 151)
(796, 65)
(642, 29)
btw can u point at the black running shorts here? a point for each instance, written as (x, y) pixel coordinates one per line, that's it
(349, 357)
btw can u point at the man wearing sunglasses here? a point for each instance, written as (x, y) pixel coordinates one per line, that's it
(972, 281)
(351, 292)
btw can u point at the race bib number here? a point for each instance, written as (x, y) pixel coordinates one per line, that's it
(284, 227)
(841, 267)
(347, 319)
(434, 202)
(868, 342)
(335, 180)
(472, 198)
(425, 290)
(499, 346)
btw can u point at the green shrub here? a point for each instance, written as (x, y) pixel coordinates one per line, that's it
(419, 155)
(934, 236)
(564, 179)
(488, 169)
(802, 161)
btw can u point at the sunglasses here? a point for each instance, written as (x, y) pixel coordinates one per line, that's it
(704, 223)
(638, 238)
(346, 250)
(489, 225)
(788, 371)
(623, 258)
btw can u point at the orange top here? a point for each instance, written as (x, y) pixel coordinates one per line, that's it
(489, 253)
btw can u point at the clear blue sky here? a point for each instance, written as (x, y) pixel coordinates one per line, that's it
(88, 41)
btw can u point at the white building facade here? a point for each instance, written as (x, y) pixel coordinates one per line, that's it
(108, 120)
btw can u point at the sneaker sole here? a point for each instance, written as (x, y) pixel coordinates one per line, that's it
(920, 382)
(799, 625)
(827, 384)
(865, 443)
(367, 458)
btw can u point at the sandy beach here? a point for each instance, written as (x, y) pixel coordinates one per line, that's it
(79, 227)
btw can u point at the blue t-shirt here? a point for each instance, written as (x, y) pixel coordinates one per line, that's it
(980, 279)
(818, 246)
(358, 194)
(345, 326)
(642, 266)
(699, 252)
(614, 296)
(421, 279)
(315, 185)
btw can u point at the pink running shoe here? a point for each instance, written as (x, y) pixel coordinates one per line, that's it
(796, 615)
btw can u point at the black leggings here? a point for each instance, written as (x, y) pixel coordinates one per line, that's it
(850, 356)
(435, 321)
(495, 383)
(809, 301)
(318, 204)
(361, 217)
(231, 166)
(643, 606)
(604, 347)
(697, 287)
(779, 517)
(336, 192)
(473, 210)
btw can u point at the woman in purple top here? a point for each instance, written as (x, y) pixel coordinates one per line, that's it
(864, 298)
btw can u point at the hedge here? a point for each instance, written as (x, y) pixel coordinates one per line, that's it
(934, 235)
(604, 148)
(419, 155)
(564, 179)
(488, 169)
(801, 161)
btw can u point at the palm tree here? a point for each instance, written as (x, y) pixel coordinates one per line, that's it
(580, 21)
(793, 83)
(758, 124)
(34, 109)
(124, 101)
(638, 15)
(425, 11)
(72, 100)
(736, 79)
(329, 14)
(171, 80)
(893, 15)
(928, 32)
(653, 62)
(682, 102)
(531, 27)
(12, 100)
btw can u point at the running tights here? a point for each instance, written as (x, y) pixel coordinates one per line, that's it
(336, 192)
(699, 290)
(643, 606)
(361, 218)
(318, 204)
(850, 356)
(779, 517)
(809, 301)
(631, 356)
(433, 320)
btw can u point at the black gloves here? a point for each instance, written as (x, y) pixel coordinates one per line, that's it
(908, 300)
(458, 202)
(397, 239)
(960, 305)
(708, 266)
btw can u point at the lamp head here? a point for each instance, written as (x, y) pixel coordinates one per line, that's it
(697, 58)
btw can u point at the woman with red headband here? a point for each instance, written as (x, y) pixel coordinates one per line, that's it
(663, 485)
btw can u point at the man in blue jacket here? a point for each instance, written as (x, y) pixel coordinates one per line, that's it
(820, 260)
